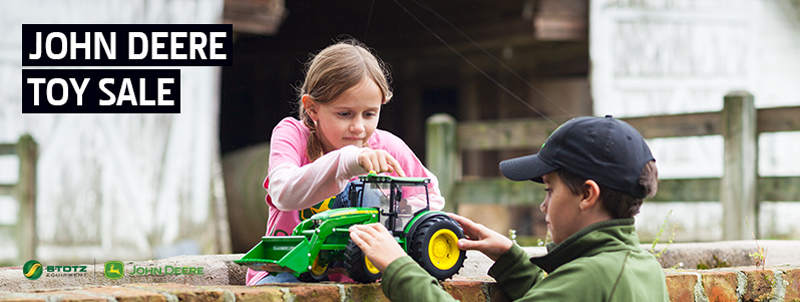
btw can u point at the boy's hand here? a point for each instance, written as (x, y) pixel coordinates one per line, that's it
(377, 244)
(380, 161)
(481, 238)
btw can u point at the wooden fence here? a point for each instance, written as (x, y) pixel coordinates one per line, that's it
(739, 190)
(25, 193)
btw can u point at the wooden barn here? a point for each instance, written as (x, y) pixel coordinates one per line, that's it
(518, 68)
(475, 82)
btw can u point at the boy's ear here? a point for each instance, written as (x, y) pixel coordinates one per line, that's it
(310, 106)
(591, 195)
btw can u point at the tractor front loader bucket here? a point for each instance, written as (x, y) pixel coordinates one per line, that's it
(278, 254)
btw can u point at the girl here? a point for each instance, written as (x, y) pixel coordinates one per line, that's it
(313, 159)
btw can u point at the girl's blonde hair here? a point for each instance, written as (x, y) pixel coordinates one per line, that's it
(333, 71)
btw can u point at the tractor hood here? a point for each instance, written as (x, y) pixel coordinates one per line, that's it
(334, 213)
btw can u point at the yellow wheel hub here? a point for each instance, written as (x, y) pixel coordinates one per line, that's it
(370, 267)
(443, 249)
(318, 270)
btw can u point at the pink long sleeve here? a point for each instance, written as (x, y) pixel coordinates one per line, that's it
(296, 188)
(294, 183)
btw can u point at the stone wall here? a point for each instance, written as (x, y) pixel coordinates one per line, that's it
(733, 284)
(736, 279)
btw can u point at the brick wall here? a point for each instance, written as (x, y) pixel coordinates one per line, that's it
(780, 283)
(777, 283)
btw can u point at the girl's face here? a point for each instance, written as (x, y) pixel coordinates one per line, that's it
(350, 119)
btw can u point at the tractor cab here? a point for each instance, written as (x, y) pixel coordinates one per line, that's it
(398, 199)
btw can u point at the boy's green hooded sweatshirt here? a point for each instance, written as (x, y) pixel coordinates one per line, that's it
(602, 262)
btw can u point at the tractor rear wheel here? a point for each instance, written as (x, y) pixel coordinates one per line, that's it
(358, 266)
(434, 245)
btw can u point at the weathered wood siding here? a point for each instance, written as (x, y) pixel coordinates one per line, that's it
(656, 57)
(127, 186)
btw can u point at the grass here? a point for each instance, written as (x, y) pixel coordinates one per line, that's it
(760, 256)
(658, 237)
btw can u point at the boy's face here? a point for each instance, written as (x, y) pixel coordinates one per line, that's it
(561, 208)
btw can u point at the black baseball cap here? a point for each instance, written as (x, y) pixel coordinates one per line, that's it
(607, 150)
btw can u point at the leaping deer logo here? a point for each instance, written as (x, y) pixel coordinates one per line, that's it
(114, 270)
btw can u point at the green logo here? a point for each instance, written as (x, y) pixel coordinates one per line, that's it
(114, 270)
(32, 269)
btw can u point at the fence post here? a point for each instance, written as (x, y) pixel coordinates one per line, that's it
(441, 149)
(740, 168)
(26, 196)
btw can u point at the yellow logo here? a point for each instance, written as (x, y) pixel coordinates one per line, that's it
(318, 208)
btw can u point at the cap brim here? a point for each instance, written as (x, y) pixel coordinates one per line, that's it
(529, 167)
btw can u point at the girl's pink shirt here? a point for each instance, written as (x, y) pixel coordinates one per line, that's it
(293, 184)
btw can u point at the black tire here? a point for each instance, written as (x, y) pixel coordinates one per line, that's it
(437, 237)
(316, 274)
(311, 278)
(358, 266)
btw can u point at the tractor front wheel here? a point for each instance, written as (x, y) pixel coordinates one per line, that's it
(318, 272)
(434, 245)
(358, 266)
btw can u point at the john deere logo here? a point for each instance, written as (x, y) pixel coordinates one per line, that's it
(114, 270)
(318, 208)
(32, 269)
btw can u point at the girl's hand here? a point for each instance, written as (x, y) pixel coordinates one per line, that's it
(377, 244)
(481, 238)
(380, 161)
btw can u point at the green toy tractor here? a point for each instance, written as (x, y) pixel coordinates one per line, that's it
(429, 237)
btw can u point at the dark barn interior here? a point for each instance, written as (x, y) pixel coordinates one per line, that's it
(475, 60)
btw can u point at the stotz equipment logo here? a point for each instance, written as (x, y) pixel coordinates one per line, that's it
(114, 270)
(32, 269)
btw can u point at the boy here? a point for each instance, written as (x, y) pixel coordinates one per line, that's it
(597, 171)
